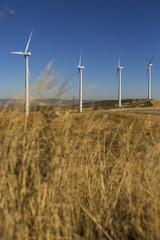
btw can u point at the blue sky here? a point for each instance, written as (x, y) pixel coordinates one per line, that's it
(103, 28)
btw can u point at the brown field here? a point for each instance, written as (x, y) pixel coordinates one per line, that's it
(95, 175)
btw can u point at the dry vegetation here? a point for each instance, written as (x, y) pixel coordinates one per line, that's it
(65, 175)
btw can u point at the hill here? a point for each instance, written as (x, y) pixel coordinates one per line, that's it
(126, 103)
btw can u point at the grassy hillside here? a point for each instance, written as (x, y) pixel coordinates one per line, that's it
(65, 175)
(112, 104)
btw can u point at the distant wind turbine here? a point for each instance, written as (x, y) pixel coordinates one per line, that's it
(26, 54)
(80, 68)
(119, 68)
(149, 65)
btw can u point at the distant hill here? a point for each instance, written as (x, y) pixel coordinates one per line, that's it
(42, 102)
(126, 103)
(105, 104)
(58, 101)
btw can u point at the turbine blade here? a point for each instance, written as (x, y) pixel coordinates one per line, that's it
(28, 42)
(80, 58)
(147, 75)
(29, 73)
(147, 60)
(119, 61)
(151, 59)
(20, 53)
(117, 74)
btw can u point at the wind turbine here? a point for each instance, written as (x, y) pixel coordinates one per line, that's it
(149, 65)
(119, 68)
(80, 68)
(26, 54)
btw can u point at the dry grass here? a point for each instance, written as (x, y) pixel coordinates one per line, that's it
(79, 176)
(65, 175)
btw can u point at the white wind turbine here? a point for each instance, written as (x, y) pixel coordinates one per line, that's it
(80, 68)
(149, 65)
(26, 54)
(119, 68)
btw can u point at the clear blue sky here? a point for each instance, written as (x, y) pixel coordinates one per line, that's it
(103, 28)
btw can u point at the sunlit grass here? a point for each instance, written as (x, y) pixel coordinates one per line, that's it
(89, 176)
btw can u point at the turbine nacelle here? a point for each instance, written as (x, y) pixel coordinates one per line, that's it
(80, 67)
(27, 54)
(119, 68)
(150, 65)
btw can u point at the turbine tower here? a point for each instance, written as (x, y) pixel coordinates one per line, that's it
(149, 65)
(119, 68)
(26, 54)
(80, 68)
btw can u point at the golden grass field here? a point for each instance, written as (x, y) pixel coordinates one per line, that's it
(95, 175)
